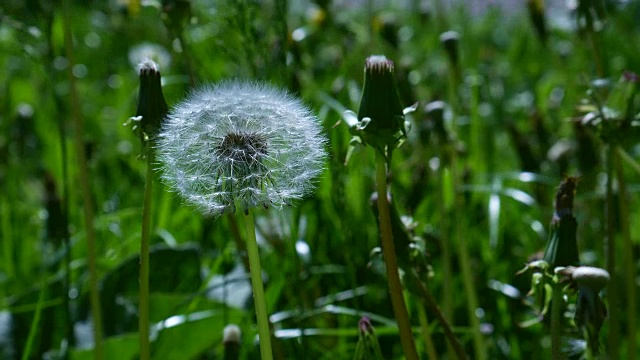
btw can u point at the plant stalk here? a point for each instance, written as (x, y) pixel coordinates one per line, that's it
(556, 322)
(389, 253)
(85, 187)
(465, 262)
(628, 259)
(143, 306)
(258, 288)
(433, 306)
(429, 346)
(610, 253)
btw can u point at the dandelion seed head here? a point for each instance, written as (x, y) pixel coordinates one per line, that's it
(241, 144)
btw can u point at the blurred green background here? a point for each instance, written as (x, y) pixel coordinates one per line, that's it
(513, 104)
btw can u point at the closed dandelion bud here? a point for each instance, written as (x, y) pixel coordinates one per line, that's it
(536, 14)
(590, 309)
(241, 144)
(231, 341)
(562, 246)
(381, 114)
(449, 41)
(152, 108)
(368, 347)
(435, 113)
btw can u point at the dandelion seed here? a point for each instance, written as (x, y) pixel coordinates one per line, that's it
(241, 144)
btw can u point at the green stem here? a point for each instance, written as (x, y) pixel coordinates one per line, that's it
(465, 262)
(610, 253)
(556, 322)
(595, 46)
(629, 160)
(447, 273)
(389, 253)
(143, 306)
(85, 187)
(33, 329)
(445, 246)
(429, 347)
(258, 289)
(448, 331)
(7, 238)
(629, 261)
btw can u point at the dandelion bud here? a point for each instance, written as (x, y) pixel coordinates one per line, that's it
(380, 104)
(152, 108)
(562, 247)
(231, 341)
(435, 111)
(368, 346)
(241, 144)
(536, 14)
(590, 309)
(590, 277)
(449, 41)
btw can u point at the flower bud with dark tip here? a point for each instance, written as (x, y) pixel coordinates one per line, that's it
(435, 113)
(562, 247)
(590, 309)
(368, 347)
(152, 108)
(590, 277)
(450, 40)
(536, 14)
(231, 341)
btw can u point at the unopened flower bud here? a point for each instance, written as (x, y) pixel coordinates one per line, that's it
(435, 113)
(590, 277)
(368, 346)
(365, 326)
(152, 108)
(231, 341)
(380, 103)
(590, 309)
(449, 41)
(536, 14)
(562, 247)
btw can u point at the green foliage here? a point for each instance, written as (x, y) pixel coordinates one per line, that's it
(520, 115)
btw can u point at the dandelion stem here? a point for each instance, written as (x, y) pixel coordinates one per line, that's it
(143, 306)
(388, 249)
(433, 305)
(85, 187)
(629, 160)
(628, 258)
(610, 253)
(429, 346)
(556, 322)
(258, 289)
(465, 260)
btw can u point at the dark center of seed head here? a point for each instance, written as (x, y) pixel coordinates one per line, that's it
(242, 147)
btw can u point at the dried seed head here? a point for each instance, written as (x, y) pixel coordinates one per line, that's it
(241, 144)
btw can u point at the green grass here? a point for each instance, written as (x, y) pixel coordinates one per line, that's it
(511, 136)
